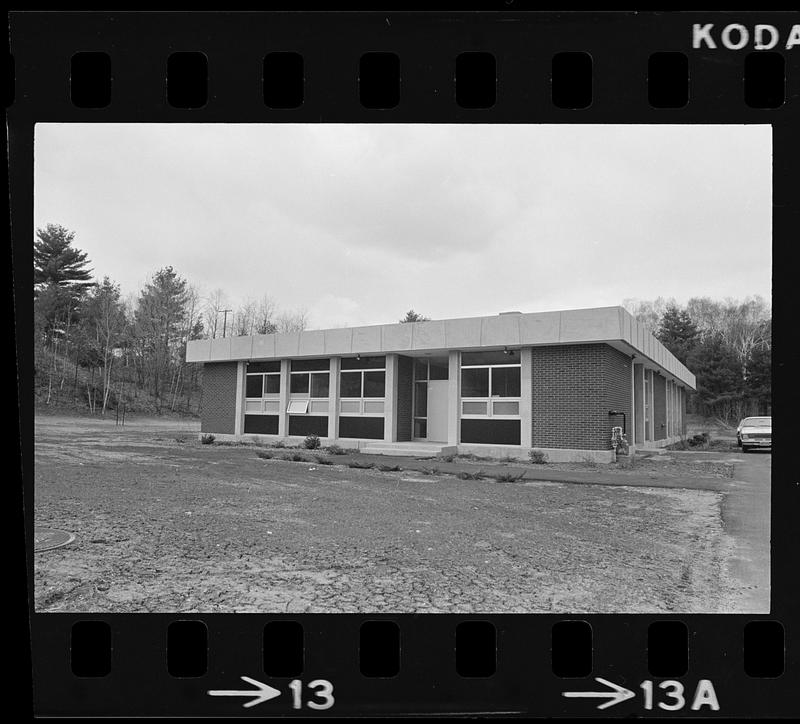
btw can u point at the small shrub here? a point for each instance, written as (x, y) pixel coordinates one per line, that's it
(361, 465)
(509, 477)
(429, 471)
(700, 440)
(297, 458)
(465, 475)
(311, 442)
(446, 458)
(335, 450)
(323, 460)
(280, 444)
(207, 439)
(264, 454)
(538, 457)
(588, 461)
(180, 439)
(389, 468)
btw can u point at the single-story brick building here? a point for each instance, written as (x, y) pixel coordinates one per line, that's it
(499, 385)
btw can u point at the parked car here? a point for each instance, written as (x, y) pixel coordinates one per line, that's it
(754, 432)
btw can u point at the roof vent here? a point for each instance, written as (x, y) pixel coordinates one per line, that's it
(502, 313)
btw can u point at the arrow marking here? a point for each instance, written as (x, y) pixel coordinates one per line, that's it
(619, 693)
(261, 693)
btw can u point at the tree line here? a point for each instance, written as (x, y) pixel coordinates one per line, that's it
(726, 344)
(96, 349)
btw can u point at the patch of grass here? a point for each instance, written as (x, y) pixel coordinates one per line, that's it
(429, 471)
(180, 440)
(508, 459)
(280, 444)
(589, 461)
(538, 457)
(361, 465)
(446, 458)
(208, 439)
(389, 468)
(466, 475)
(508, 477)
(265, 454)
(323, 460)
(335, 450)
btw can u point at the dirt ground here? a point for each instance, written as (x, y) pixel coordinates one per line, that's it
(165, 524)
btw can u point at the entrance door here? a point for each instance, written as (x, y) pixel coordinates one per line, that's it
(437, 410)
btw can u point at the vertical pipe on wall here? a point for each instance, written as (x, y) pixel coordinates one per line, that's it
(241, 376)
(526, 396)
(454, 398)
(333, 398)
(632, 433)
(283, 416)
(390, 400)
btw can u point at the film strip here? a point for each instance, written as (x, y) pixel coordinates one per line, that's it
(412, 68)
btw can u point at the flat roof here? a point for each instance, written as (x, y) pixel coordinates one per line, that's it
(610, 325)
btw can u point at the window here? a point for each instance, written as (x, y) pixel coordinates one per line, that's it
(310, 377)
(262, 388)
(475, 382)
(375, 384)
(298, 406)
(490, 390)
(362, 386)
(505, 381)
(350, 384)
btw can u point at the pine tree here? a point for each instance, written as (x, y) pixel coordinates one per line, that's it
(56, 262)
(677, 332)
(412, 316)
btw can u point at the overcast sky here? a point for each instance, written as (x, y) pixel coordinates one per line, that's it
(358, 223)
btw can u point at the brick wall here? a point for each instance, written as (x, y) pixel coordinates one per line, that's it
(617, 381)
(218, 411)
(405, 391)
(659, 406)
(574, 387)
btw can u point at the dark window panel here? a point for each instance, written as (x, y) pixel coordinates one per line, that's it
(421, 400)
(261, 424)
(308, 425)
(440, 371)
(310, 365)
(254, 386)
(505, 382)
(363, 363)
(273, 384)
(264, 366)
(370, 428)
(374, 384)
(298, 383)
(475, 382)
(320, 383)
(490, 432)
(350, 385)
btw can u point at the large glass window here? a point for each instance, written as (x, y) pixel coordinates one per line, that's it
(375, 384)
(310, 377)
(262, 385)
(362, 386)
(254, 385)
(350, 384)
(490, 390)
(262, 389)
(475, 382)
(505, 381)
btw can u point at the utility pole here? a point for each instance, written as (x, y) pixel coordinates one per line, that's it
(225, 320)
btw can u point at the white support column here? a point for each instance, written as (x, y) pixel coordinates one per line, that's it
(526, 396)
(241, 377)
(390, 400)
(454, 398)
(668, 408)
(283, 416)
(333, 398)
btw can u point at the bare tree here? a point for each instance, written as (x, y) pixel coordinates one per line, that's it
(215, 303)
(263, 321)
(292, 321)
